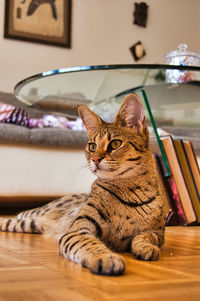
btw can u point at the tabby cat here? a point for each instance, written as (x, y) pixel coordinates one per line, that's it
(124, 210)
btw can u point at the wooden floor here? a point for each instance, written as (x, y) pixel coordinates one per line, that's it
(31, 269)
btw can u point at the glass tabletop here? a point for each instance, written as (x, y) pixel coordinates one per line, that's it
(170, 94)
(173, 92)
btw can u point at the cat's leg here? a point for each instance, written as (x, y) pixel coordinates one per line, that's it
(82, 244)
(146, 245)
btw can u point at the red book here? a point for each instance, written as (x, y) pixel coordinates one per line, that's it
(174, 211)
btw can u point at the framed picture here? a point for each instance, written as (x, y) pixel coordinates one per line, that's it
(40, 21)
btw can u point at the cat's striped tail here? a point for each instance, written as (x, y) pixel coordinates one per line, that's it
(27, 225)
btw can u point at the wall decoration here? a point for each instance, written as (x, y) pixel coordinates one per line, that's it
(140, 14)
(138, 51)
(40, 21)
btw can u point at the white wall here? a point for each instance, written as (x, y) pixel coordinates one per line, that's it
(102, 32)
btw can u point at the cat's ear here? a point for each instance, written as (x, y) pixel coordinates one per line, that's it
(90, 120)
(131, 113)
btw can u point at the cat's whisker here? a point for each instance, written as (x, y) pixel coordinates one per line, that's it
(84, 166)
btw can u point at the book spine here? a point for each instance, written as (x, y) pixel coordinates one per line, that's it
(178, 143)
(185, 200)
(195, 190)
(193, 164)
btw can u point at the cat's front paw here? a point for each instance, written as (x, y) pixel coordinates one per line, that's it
(106, 264)
(146, 251)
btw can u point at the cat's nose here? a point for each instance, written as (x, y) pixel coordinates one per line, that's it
(97, 159)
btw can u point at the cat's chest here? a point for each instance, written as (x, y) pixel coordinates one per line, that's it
(128, 212)
(123, 228)
(120, 234)
(125, 224)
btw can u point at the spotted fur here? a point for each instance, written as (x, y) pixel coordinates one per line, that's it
(124, 210)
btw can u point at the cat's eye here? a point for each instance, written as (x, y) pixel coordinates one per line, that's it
(92, 147)
(114, 144)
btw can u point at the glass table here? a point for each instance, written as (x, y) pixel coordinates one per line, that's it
(171, 94)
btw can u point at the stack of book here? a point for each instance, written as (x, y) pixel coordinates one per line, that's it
(183, 185)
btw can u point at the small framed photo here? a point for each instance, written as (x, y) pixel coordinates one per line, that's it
(40, 21)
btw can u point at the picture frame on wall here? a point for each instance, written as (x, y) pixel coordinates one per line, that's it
(39, 21)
